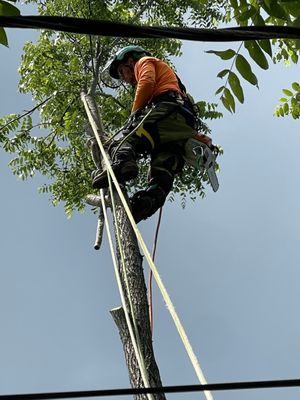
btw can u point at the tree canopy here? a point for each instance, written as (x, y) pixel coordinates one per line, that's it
(51, 138)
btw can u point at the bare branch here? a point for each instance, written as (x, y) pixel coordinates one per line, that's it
(96, 65)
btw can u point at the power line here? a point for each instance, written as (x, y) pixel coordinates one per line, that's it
(111, 28)
(166, 389)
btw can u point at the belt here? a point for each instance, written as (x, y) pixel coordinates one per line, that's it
(170, 95)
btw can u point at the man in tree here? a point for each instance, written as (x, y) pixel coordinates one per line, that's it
(162, 119)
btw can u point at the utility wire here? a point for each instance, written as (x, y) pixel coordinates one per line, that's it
(111, 28)
(166, 389)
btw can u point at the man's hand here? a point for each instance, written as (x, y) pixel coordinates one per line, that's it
(136, 114)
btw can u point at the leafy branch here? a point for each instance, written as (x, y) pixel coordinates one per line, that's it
(19, 117)
(255, 50)
(291, 103)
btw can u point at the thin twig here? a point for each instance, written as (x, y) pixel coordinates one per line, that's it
(26, 113)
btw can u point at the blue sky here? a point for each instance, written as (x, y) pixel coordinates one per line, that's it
(230, 261)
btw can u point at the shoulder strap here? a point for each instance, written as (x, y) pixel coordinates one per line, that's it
(181, 85)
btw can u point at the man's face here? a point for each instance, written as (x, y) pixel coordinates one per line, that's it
(126, 71)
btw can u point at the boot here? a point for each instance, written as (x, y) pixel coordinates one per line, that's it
(146, 202)
(124, 166)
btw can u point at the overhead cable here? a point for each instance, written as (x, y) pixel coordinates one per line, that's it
(124, 30)
(166, 389)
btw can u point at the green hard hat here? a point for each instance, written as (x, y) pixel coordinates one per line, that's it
(121, 56)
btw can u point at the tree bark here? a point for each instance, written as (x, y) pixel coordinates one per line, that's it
(137, 289)
(138, 292)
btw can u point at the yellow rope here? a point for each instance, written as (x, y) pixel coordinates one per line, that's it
(156, 275)
(134, 337)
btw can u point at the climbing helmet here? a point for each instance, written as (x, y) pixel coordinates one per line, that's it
(122, 55)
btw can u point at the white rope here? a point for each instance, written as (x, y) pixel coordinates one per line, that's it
(134, 340)
(156, 275)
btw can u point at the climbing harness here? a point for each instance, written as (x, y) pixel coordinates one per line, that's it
(144, 248)
(134, 124)
(196, 153)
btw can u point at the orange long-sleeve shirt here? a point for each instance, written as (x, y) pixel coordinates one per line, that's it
(154, 77)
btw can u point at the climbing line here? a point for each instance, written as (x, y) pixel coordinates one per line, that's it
(133, 335)
(145, 250)
(150, 273)
(129, 134)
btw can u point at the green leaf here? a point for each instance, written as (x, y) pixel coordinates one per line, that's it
(244, 16)
(283, 100)
(296, 22)
(225, 103)
(266, 46)
(274, 9)
(296, 86)
(220, 90)
(243, 4)
(257, 19)
(256, 53)
(8, 9)
(3, 37)
(223, 73)
(245, 70)
(229, 99)
(294, 58)
(286, 108)
(293, 8)
(287, 92)
(235, 86)
(225, 55)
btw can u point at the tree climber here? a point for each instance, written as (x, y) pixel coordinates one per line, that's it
(162, 119)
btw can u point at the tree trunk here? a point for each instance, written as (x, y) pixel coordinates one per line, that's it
(138, 292)
(137, 289)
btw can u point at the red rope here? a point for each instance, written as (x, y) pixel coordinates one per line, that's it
(151, 274)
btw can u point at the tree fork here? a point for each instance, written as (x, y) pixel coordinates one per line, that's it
(137, 289)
